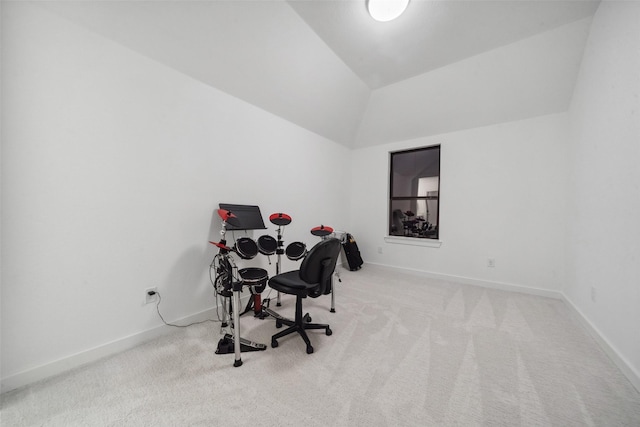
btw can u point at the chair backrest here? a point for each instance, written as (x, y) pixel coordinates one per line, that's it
(319, 264)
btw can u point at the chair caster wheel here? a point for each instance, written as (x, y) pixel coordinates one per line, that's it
(278, 324)
(309, 349)
(274, 343)
(308, 319)
(328, 331)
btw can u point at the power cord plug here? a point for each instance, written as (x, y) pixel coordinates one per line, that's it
(152, 292)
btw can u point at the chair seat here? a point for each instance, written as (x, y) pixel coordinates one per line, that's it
(291, 283)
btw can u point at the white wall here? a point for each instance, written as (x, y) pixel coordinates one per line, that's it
(603, 246)
(259, 51)
(112, 167)
(502, 197)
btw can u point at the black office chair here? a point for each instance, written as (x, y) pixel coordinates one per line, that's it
(312, 280)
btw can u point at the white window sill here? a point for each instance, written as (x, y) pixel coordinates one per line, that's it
(413, 241)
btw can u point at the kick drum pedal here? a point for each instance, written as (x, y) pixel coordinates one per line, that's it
(226, 345)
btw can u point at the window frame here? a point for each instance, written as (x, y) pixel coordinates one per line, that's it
(433, 241)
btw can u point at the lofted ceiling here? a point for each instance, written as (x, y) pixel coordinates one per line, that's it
(430, 34)
(325, 65)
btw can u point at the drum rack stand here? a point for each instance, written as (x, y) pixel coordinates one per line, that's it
(232, 342)
(280, 219)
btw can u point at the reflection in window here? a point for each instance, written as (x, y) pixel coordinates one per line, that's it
(414, 193)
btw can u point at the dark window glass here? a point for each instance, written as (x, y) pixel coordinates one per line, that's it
(414, 193)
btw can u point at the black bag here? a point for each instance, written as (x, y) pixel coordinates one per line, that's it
(352, 252)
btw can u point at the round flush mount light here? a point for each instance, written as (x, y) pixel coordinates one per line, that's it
(386, 10)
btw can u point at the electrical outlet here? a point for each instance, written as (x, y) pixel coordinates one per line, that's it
(379, 249)
(491, 262)
(148, 299)
(593, 293)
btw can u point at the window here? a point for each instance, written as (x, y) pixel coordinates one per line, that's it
(414, 188)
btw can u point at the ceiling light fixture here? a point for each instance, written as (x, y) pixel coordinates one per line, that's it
(386, 10)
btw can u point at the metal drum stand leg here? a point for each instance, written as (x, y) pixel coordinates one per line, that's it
(237, 287)
(228, 286)
(234, 342)
(280, 219)
(279, 252)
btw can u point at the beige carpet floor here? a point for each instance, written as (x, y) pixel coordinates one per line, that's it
(405, 351)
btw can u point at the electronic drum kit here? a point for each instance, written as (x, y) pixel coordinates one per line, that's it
(229, 285)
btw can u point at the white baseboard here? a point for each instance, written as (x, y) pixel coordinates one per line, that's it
(59, 366)
(65, 364)
(478, 282)
(48, 370)
(620, 361)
